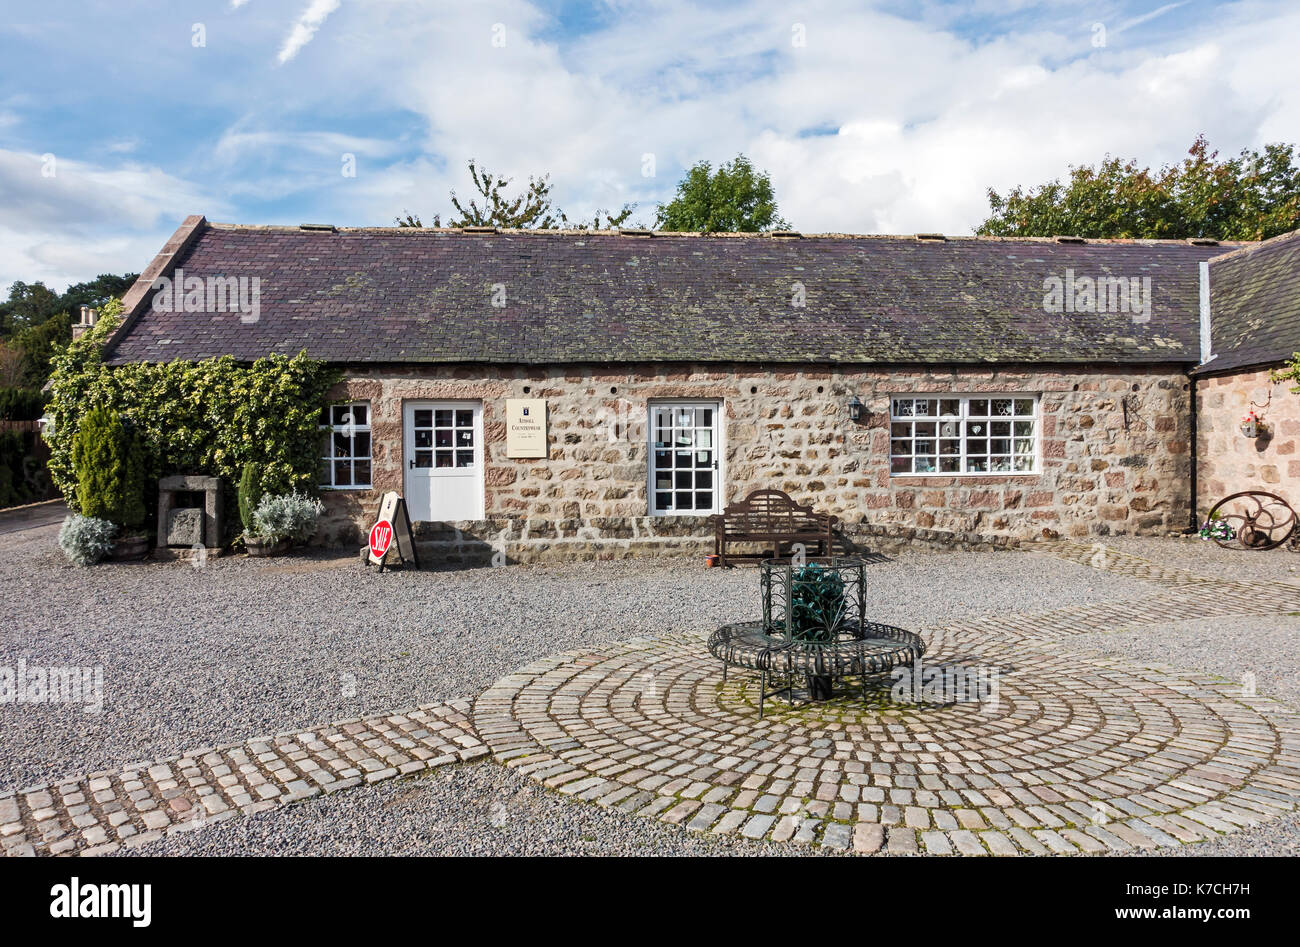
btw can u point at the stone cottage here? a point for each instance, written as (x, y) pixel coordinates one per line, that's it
(560, 393)
(1251, 327)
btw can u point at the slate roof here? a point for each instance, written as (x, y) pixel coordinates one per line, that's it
(396, 295)
(1255, 305)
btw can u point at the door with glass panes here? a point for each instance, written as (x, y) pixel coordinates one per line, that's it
(685, 457)
(444, 460)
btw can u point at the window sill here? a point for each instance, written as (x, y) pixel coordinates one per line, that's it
(973, 473)
(353, 489)
(918, 480)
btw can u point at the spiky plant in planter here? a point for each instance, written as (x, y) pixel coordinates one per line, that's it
(250, 494)
(817, 603)
(109, 466)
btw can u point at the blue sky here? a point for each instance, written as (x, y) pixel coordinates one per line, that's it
(889, 117)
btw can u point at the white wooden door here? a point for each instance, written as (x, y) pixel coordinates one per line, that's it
(444, 460)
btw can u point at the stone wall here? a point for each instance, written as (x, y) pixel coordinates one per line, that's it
(1228, 461)
(1114, 455)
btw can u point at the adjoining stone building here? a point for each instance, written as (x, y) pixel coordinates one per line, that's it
(1252, 327)
(968, 389)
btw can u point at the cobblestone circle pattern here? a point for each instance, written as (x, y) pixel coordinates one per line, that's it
(1075, 755)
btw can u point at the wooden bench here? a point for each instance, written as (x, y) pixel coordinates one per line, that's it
(771, 516)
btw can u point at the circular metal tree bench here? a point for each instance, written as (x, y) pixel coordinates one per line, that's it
(813, 631)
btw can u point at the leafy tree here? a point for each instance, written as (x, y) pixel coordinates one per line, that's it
(11, 365)
(21, 404)
(602, 219)
(37, 322)
(534, 209)
(1253, 196)
(734, 199)
(29, 304)
(38, 344)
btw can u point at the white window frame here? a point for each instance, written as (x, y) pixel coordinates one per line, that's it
(351, 430)
(963, 418)
(719, 453)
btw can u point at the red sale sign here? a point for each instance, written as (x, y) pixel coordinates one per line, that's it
(381, 537)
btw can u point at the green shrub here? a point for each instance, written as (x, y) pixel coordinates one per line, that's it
(13, 453)
(817, 606)
(99, 463)
(85, 539)
(110, 470)
(290, 516)
(21, 404)
(250, 494)
(22, 473)
(210, 417)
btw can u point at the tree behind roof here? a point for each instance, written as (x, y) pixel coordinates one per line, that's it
(736, 198)
(1253, 196)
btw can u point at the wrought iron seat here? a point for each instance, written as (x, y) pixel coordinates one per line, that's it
(865, 648)
(813, 630)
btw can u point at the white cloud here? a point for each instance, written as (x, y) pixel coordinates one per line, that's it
(309, 21)
(882, 123)
(86, 219)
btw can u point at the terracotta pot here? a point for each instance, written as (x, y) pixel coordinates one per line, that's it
(265, 547)
(129, 548)
(711, 561)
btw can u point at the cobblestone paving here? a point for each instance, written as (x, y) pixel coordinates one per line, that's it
(1072, 757)
(99, 813)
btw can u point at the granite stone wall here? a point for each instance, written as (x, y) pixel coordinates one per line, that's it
(1114, 456)
(1227, 460)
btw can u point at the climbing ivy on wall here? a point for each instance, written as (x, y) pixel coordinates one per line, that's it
(209, 417)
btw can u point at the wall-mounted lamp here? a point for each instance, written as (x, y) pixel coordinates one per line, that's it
(855, 409)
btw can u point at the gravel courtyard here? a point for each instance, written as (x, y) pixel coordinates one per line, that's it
(244, 647)
(240, 647)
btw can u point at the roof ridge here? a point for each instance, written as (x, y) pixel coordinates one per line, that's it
(1252, 246)
(829, 235)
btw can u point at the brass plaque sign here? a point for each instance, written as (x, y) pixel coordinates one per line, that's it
(526, 427)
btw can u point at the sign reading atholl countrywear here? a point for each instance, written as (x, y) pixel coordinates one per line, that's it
(526, 427)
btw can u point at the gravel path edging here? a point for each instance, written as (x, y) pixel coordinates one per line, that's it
(98, 813)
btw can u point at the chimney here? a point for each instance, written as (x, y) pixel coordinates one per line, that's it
(88, 317)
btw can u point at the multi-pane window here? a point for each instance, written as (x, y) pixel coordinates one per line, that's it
(345, 452)
(444, 437)
(683, 458)
(963, 434)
